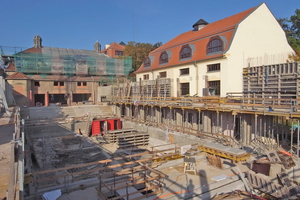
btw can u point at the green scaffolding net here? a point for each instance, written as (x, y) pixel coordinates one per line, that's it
(71, 62)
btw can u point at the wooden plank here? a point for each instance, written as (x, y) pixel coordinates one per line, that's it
(11, 183)
(102, 168)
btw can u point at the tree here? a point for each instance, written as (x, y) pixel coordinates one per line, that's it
(139, 51)
(291, 28)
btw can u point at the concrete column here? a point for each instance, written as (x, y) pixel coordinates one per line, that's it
(142, 113)
(194, 121)
(47, 98)
(218, 122)
(182, 118)
(71, 98)
(114, 108)
(221, 124)
(127, 111)
(93, 95)
(233, 126)
(158, 114)
(178, 118)
(199, 115)
(255, 126)
(244, 131)
(31, 103)
(207, 123)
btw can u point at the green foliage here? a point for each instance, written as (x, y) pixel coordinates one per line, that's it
(139, 51)
(291, 27)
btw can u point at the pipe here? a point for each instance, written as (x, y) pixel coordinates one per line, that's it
(197, 77)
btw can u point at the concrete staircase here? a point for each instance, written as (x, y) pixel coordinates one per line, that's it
(42, 113)
(93, 110)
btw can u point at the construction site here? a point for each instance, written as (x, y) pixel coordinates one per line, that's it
(157, 148)
(78, 137)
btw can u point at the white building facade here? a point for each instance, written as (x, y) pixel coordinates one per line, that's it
(209, 60)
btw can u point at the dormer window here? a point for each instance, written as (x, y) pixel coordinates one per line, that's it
(147, 62)
(186, 52)
(215, 45)
(163, 58)
(119, 53)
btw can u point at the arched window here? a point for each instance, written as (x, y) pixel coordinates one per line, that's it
(185, 52)
(147, 62)
(163, 58)
(215, 45)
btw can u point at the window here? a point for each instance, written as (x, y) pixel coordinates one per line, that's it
(119, 53)
(55, 83)
(215, 45)
(163, 58)
(147, 62)
(37, 83)
(146, 76)
(185, 88)
(81, 84)
(214, 87)
(163, 74)
(185, 52)
(214, 67)
(185, 71)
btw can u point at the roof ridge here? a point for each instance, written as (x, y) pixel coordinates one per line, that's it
(18, 75)
(199, 36)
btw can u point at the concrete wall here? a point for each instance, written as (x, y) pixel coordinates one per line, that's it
(242, 127)
(21, 88)
(172, 137)
(103, 91)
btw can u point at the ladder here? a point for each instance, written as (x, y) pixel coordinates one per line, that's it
(2, 95)
(88, 125)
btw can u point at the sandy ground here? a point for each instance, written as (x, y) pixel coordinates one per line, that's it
(6, 131)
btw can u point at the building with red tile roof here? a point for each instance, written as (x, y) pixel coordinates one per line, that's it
(68, 75)
(208, 60)
(114, 50)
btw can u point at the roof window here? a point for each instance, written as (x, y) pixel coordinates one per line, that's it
(214, 45)
(147, 62)
(185, 52)
(164, 58)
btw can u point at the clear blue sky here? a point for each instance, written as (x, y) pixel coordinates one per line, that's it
(78, 24)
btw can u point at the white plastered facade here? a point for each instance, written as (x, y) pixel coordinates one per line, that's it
(258, 40)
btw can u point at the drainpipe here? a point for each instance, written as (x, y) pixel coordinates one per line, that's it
(93, 90)
(197, 77)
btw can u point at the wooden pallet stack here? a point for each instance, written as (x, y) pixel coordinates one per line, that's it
(126, 138)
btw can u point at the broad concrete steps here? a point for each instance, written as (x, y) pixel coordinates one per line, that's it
(68, 111)
(52, 112)
(41, 113)
(106, 110)
(94, 110)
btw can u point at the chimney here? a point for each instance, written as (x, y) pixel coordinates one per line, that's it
(97, 47)
(37, 41)
(199, 24)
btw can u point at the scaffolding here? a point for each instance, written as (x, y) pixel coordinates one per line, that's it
(70, 62)
(279, 81)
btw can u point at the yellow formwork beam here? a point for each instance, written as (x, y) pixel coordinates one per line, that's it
(236, 158)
